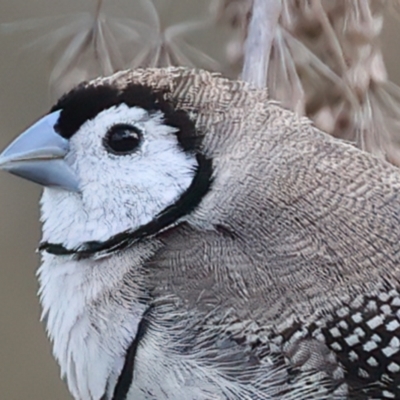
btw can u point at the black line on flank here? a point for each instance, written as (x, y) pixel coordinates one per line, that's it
(187, 203)
(126, 376)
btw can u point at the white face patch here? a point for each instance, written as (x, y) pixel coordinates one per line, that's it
(118, 192)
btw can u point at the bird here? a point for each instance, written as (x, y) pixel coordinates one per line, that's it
(202, 242)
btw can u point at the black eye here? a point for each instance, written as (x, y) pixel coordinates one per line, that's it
(122, 139)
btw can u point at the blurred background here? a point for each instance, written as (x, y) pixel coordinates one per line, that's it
(39, 60)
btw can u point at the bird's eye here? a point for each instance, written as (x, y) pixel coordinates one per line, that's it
(122, 139)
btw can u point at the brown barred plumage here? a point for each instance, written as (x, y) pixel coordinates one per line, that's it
(282, 279)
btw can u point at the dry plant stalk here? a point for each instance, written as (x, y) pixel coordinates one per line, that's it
(326, 63)
(260, 36)
(89, 44)
(320, 58)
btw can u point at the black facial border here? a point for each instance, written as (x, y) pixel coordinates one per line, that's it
(186, 204)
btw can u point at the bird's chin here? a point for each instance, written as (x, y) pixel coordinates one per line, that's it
(70, 226)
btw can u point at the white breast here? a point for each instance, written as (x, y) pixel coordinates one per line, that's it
(90, 319)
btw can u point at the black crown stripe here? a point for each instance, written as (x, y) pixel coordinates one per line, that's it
(84, 102)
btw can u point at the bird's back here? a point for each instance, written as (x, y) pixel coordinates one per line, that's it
(302, 262)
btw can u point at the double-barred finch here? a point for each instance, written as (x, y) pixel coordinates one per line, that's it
(201, 242)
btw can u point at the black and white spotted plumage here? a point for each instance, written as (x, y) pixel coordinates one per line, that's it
(363, 334)
(235, 253)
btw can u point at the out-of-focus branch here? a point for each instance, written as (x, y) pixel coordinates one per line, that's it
(261, 32)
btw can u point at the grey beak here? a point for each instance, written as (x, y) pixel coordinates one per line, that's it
(38, 155)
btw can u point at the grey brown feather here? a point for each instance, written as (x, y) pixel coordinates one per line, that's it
(310, 235)
(283, 283)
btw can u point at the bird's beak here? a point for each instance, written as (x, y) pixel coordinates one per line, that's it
(38, 155)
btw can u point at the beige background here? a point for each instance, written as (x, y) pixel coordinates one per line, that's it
(27, 370)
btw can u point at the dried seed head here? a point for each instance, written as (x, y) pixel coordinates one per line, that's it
(326, 63)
